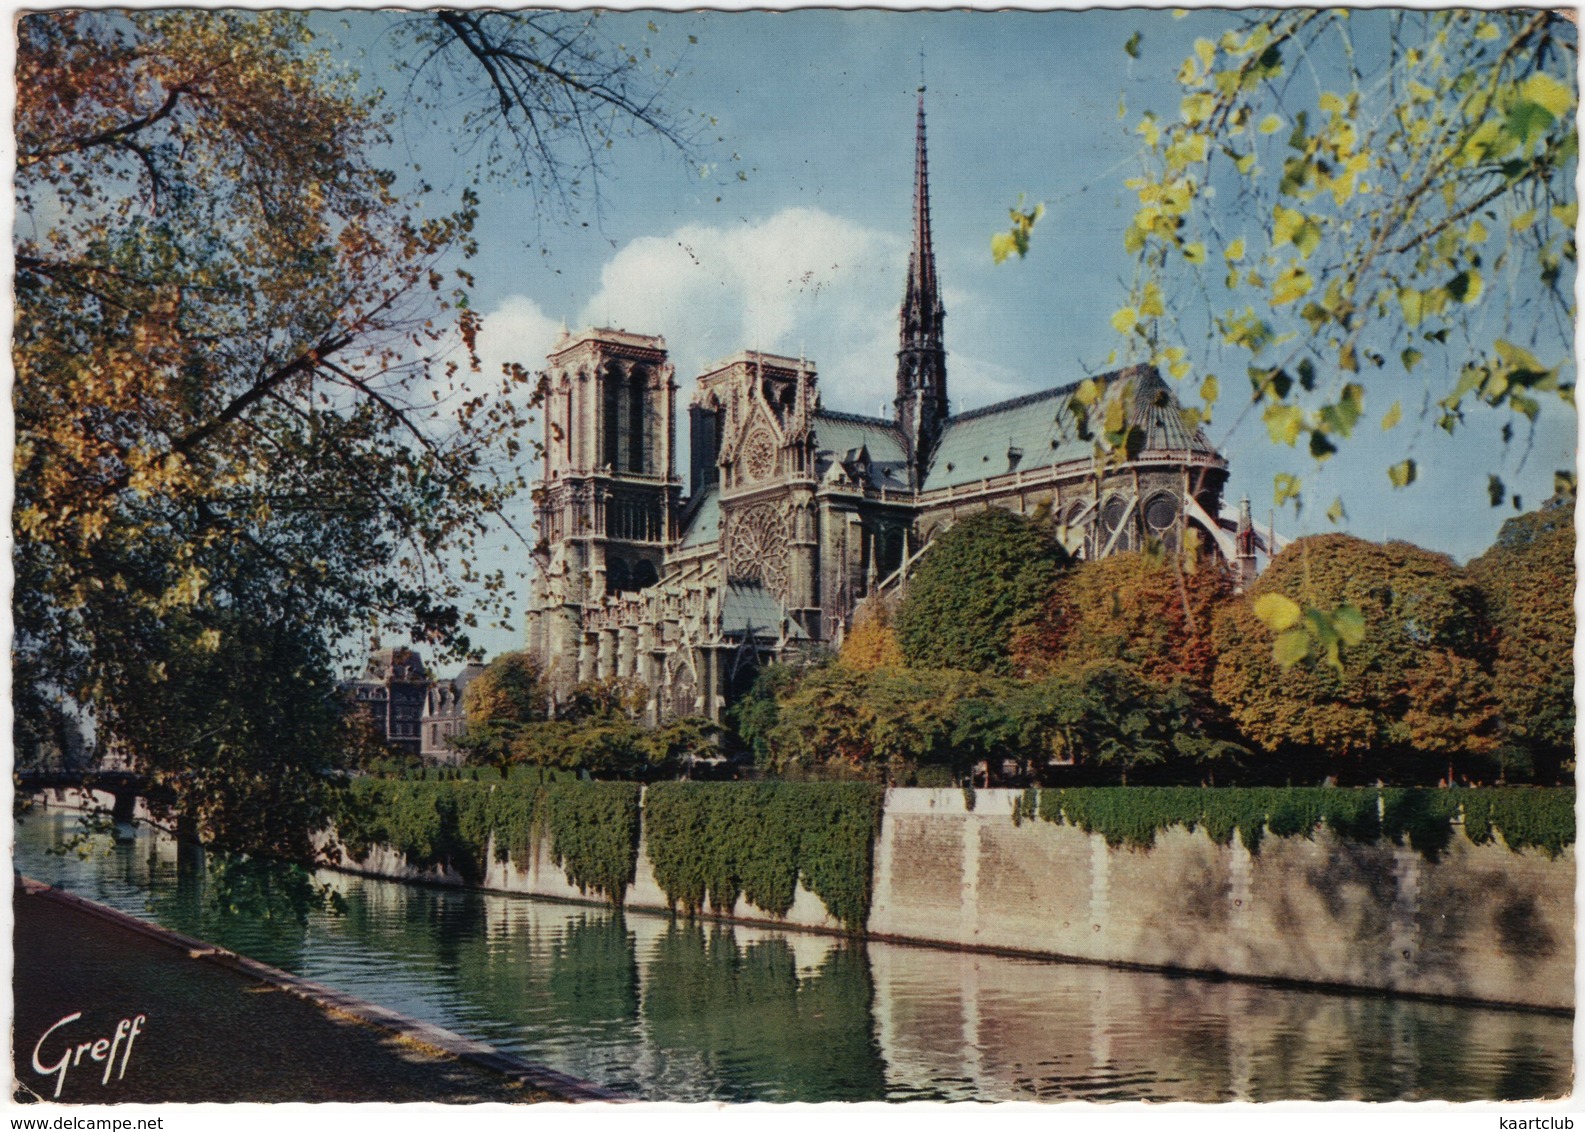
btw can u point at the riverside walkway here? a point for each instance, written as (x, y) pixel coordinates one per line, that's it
(117, 1010)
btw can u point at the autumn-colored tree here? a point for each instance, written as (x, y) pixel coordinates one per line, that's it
(242, 393)
(511, 689)
(1417, 684)
(876, 725)
(1142, 610)
(508, 696)
(1528, 578)
(597, 731)
(872, 642)
(974, 588)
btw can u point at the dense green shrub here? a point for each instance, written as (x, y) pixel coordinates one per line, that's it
(594, 834)
(716, 841)
(1132, 816)
(977, 585)
(593, 826)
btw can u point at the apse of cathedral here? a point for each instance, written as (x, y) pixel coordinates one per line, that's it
(792, 516)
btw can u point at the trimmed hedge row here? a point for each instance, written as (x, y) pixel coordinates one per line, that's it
(709, 841)
(712, 842)
(593, 826)
(1524, 817)
(717, 841)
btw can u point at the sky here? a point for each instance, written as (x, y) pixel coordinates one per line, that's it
(806, 252)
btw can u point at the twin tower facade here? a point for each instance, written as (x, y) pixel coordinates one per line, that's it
(791, 515)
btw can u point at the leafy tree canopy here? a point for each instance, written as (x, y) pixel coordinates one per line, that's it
(1417, 682)
(1528, 578)
(872, 642)
(1378, 208)
(243, 395)
(975, 585)
(1144, 611)
(511, 689)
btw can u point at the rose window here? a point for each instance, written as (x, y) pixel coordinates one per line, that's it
(756, 549)
(759, 456)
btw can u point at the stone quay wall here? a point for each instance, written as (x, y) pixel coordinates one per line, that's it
(1481, 922)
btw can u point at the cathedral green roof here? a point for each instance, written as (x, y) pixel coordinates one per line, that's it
(839, 434)
(749, 608)
(1040, 431)
(703, 520)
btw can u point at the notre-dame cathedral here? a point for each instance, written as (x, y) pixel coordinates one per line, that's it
(793, 514)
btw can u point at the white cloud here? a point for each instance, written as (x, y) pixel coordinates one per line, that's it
(516, 331)
(798, 281)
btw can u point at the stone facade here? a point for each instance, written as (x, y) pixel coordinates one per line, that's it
(443, 718)
(391, 692)
(793, 515)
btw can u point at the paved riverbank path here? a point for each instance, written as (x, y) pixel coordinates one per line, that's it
(116, 1010)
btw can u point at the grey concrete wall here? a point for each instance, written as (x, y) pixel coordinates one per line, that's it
(1482, 922)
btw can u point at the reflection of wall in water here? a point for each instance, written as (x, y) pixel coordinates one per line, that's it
(1046, 1031)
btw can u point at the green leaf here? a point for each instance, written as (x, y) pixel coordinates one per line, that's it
(1270, 124)
(1210, 389)
(1392, 416)
(1277, 611)
(1411, 358)
(1335, 513)
(1290, 648)
(1286, 487)
(1123, 321)
(1402, 474)
(1496, 491)
(1527, 123)
(1132, 46)
(1341, 417)
(1349, 622)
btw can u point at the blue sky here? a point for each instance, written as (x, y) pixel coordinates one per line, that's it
(807, 252)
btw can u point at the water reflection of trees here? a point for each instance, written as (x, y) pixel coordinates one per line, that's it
(688, 1011)
(740, 1021)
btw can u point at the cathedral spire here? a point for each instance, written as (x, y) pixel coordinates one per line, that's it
(921, 356)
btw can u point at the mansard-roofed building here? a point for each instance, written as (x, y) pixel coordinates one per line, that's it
(795, 514)
(391, 693)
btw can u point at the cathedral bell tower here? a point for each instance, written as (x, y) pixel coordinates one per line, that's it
(922, 355)
(605, 502)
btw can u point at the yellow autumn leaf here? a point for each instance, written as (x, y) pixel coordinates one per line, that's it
(1277, 612)
(1548, 93)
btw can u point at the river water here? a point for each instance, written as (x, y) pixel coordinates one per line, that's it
(672, 1010)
